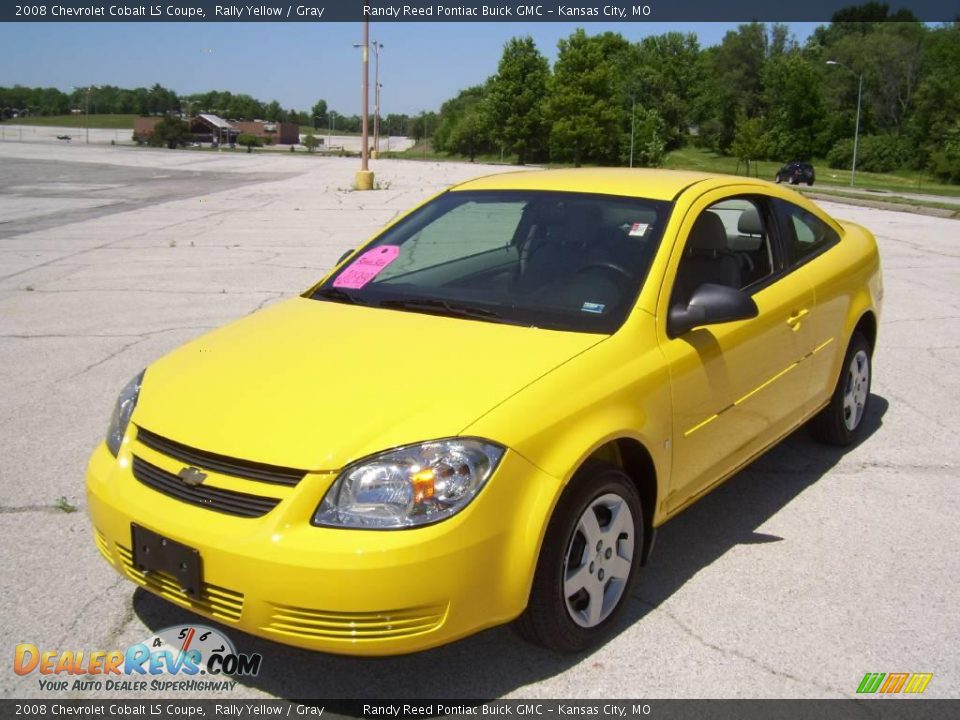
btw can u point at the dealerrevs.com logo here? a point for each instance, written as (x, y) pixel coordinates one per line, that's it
(894, 683)
(182, 657)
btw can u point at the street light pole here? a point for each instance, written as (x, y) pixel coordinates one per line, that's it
(87, 116)
(633, 116)
(856, 130)
(86, 113)
(377, 47)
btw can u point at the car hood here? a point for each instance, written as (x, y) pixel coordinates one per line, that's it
(314, 385)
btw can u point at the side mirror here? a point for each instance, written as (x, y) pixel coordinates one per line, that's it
(343, 257)
(710, 305)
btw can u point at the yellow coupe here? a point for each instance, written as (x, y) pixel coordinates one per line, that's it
(483, 414)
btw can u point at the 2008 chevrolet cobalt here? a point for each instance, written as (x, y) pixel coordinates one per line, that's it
(482, 414)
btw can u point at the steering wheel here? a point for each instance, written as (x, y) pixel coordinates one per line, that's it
(613, 267)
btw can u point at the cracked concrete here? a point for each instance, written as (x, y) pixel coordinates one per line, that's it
(793, 579)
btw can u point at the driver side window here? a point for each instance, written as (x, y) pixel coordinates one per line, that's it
(729, 244)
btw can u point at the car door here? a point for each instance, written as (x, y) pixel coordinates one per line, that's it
(807, 240)
(736, 387)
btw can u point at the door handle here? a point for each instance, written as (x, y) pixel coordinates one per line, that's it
(795, 317)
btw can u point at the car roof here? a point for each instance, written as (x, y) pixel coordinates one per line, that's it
(640, 182)
(646, 183)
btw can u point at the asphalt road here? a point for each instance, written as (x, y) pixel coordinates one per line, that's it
(799, 575)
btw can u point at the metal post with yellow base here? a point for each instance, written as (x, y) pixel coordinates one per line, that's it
(364, 177)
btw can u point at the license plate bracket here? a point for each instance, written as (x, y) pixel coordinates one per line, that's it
(153, 552)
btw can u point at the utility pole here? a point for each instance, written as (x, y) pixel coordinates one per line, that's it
(364, 178)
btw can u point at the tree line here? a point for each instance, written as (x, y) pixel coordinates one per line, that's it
(158, 100)
(758, 94)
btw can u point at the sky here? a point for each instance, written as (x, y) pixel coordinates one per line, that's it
(422, 64)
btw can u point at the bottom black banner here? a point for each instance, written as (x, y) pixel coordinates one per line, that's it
(855, 709)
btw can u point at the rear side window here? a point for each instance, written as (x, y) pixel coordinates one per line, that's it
(806, 234)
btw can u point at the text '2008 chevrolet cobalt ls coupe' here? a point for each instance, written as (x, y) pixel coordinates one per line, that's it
(482, 414)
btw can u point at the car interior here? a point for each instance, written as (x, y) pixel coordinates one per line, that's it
(728, 245)
(573, 255)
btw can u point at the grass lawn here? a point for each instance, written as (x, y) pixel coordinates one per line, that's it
(906, 181)
(109, 122)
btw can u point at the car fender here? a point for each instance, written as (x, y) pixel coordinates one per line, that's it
(866, 283)
(611, 391)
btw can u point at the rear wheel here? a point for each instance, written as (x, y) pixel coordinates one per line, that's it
(588, 562)
(839, 422)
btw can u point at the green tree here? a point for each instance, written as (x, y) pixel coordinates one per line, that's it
(749, 142)
(517, 99)
(249, 141)
(463, 125)
(170, 132)
(273, 111)
(733, 72)
(471, 133)
(159, 100)
(945, 161)
(587, 107)
(666, 75)
(649, 143)
(936, 103)
(319, 114)
(310, 142)
(793, 107)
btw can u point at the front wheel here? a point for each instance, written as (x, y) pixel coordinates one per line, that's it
(588, 562)
(838, 423)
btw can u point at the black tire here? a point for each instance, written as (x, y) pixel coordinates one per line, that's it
(835, 425)
(547, 620)
(810, 183)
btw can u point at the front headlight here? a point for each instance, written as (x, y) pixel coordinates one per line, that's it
(122, 412)
(410, 486)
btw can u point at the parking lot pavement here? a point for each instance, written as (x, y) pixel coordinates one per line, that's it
(799, 575)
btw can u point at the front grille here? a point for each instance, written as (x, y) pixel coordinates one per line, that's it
(246, 469)
(309, 623)
(214, 600)
(212, 498)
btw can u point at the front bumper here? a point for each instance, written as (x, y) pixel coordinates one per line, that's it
(363, 592)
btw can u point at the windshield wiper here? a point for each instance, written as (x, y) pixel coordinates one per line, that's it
(442, 307)
(337, 295)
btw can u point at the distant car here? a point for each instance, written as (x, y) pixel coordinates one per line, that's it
(482, 414)
(63, 137)
(796, 172)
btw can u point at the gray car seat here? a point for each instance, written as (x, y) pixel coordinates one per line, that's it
(706, 259)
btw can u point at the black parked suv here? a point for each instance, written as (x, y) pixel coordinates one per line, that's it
(796, 172)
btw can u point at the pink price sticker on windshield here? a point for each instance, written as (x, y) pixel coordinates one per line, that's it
(366, 267)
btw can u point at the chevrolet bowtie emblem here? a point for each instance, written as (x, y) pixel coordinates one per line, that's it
(192, 476)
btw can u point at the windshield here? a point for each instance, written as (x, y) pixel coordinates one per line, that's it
(565, 261)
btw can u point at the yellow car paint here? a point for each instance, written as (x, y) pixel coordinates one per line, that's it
(294, 385)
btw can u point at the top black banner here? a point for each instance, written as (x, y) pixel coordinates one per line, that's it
(576, 11)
